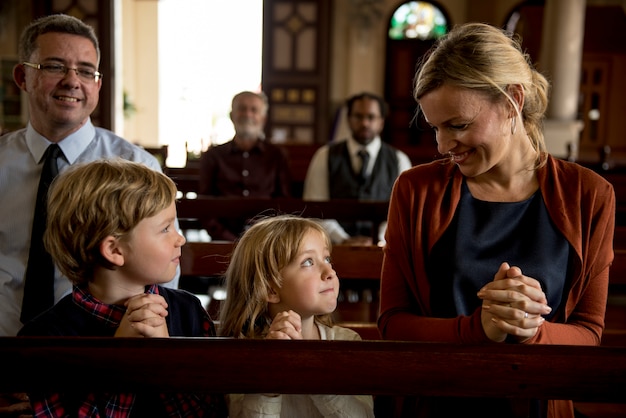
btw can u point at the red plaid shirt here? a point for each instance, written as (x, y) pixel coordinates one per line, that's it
(120, 405)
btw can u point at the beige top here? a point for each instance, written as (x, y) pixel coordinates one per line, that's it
(305, 406)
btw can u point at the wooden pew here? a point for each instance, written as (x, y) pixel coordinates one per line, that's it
(618, 269)
(615, 318)
(356, 264)
(192, 211)
(594, 374)
(342, 209)
(298, 156)
(358, 268)
(350, 262)
(619, 238)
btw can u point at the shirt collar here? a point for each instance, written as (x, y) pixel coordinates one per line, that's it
(110, 315)
(259, 146)
(372, 148)
(72, 145)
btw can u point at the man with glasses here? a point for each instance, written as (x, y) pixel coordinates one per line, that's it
(361, 167)
(58, 70)
(58, 65)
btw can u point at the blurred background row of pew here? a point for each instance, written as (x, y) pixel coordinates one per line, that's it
(358, 267)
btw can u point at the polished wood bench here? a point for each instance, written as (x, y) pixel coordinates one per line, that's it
(298, 156)
(615, 318)
(350, 261)
(594, 374)
(618, 268)
(361, 262)
(358, 268)
(191, 212)
(358, 264)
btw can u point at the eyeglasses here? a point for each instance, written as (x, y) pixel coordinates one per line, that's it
(58, 70)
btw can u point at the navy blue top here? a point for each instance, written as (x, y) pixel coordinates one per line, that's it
(481, 237)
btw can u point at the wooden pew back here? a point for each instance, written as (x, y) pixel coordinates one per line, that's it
(343, 367)
(192, 211)
(350, 262)
(358, 264)
(358, 268)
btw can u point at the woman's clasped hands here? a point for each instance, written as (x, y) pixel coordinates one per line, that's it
(513, 304)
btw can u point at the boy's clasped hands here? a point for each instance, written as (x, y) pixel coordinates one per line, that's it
(145, 317)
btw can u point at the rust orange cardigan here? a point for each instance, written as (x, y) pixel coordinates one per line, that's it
(582, 206)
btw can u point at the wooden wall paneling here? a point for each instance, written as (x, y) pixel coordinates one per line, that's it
(616, 106)
(594, 87)
(295, 69)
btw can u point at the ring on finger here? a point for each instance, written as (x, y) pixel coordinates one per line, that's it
(525, 314)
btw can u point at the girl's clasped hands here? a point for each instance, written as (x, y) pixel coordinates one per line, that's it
(287, 325)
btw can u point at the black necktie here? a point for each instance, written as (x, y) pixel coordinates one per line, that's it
(365, 158)
(39, 277)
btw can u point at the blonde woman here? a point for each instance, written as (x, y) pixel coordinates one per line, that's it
(499, 242)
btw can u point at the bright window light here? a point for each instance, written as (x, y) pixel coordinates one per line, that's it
(209, 50)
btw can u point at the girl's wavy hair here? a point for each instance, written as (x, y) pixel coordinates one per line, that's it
(483, 58)
(267, 247)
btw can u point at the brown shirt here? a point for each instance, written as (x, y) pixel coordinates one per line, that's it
(226, 170)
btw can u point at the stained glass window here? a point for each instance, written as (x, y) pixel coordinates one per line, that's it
(417, 20)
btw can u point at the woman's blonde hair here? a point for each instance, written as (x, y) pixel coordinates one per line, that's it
(483, 58)
(267, 247)
(91, 201)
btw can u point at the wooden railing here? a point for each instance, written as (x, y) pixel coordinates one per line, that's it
(192, 211)
(358, 264)
(350, 262)
(299, 156)
(358, 268)
(187, 177)
(615, 318)
(618, 269)
(218, 365)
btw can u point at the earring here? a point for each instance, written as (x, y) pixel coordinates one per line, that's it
(513, 125)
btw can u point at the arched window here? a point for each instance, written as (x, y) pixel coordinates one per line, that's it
(413, 28)
(417, 20)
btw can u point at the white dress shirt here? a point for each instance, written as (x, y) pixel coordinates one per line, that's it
(20, 152)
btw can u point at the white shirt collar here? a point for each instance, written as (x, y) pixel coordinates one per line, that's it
(372, 148)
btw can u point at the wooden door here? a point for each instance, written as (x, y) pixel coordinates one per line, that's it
(403, 128)
(406, 45)
(295, 69)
